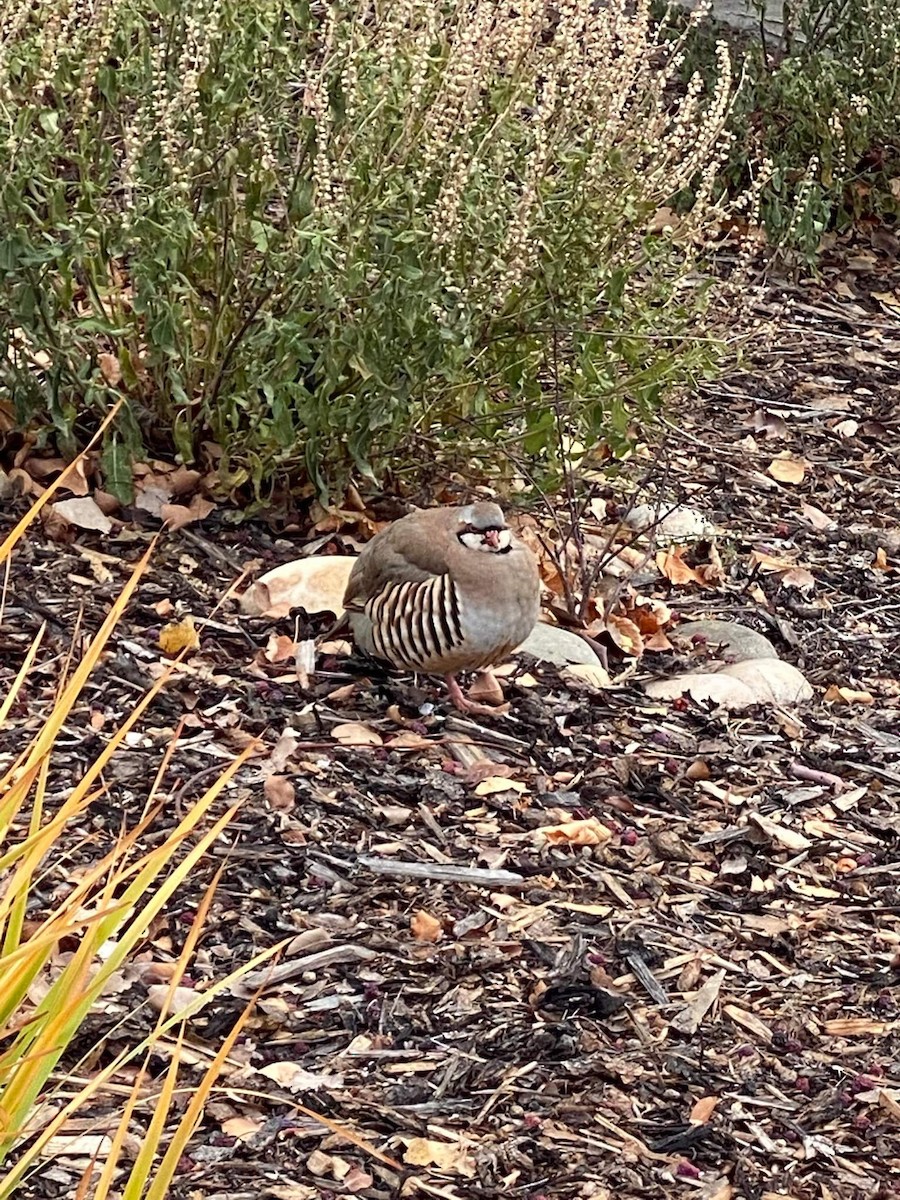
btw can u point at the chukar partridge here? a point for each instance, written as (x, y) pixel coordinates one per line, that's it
(444, 590)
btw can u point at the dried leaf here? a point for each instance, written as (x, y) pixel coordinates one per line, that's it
(176, 516)
(280, 648)
(497, 783)
(280, 793)
(787, 469)
(178, 636)
(354, 733)
(703, 1109)
(425, 928)
(446, 1156)
(83, 512)
(857, 1027)
(845, 695)
(486, 690)
(589, 832)
(110, 369)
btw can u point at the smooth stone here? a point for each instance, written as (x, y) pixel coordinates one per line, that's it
(732, 642)
(767, 681)
(549, 643)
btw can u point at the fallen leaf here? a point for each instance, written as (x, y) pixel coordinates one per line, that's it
(242, 1127)
(178, 636)
(497, 783)
(847, 429)
(857, 1027)
(787, 469)
(280, 648)
(789, 838)
(79, 1145)
(703, 1109)
(84, 512)
(110, 369)
(486, 690)
(425, 928)
(592, 676)
(625, 634)
(816, 518)
(589, 832)
(296, 1078)
(164, 998)
(749, 1021)
(280, 792)
(176, 516)
(354, 733)
(845, 695)
(673, 566)
(446, 1156)
(798, 577)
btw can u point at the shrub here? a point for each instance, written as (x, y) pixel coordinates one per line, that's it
(294, 235)
(823, 105)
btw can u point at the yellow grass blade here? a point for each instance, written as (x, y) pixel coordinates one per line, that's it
(9, 1183)
(26, 666)
(140, 1172)
(43, 743)
(12, 538)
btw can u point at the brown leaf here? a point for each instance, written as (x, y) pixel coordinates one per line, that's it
(313, 584)
(625, 634)
(816, 518)
(588, 832)
(787, 469)
(83, 512)
(354, 733)
(845, 695)
(497, 783)
(485, 689)
(279, 648)
(176, 516)
(703, 1109)
(280, 793)
(110, 369)
(446, 1156)
(673, 566)
(857, 1027)
(425, 928)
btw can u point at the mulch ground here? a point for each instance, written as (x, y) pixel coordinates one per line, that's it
(707, 1005)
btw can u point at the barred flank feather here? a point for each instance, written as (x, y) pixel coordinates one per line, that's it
(416, 625)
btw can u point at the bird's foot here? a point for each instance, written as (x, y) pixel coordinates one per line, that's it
(471, 707)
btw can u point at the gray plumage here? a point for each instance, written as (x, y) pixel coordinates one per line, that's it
(444, 590)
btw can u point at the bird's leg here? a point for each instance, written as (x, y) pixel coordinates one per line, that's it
(469, 706)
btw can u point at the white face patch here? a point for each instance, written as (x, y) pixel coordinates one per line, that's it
(479, 541)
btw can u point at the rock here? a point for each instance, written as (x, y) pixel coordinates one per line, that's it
(738, 643)
(315, 584)
(714, 687)
(771, 680)
(763, 681)
(549, 643)
(669, 524)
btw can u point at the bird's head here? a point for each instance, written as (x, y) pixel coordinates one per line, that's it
(482, 526)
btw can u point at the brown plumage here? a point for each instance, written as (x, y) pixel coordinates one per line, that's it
(444, 590)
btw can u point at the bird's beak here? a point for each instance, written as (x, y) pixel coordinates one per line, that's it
(492, 537)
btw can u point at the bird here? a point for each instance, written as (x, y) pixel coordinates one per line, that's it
(444, 590)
